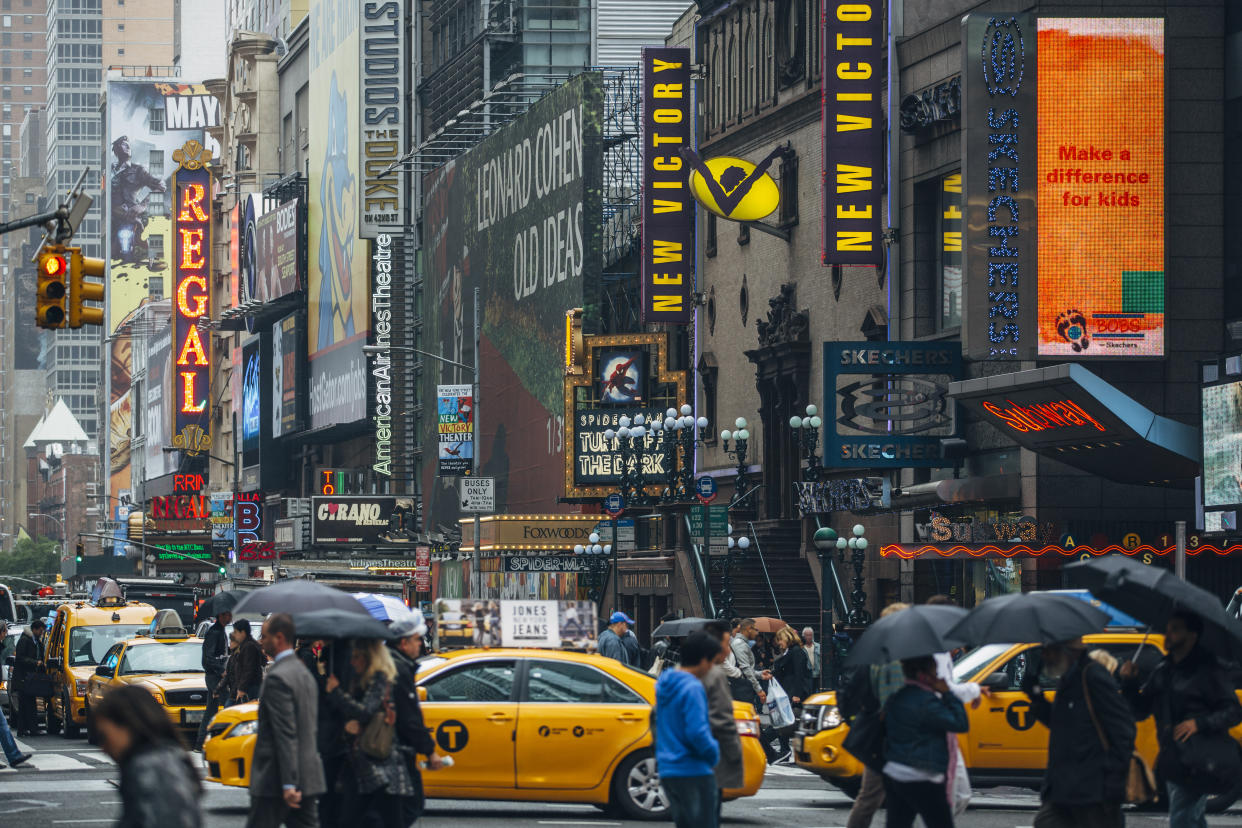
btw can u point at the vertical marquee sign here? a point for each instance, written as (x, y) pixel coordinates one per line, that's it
(854, 128)
(999, 171)
(381, 72)
(668, 212)
(191, 409)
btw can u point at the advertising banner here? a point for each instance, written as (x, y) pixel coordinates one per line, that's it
(181, 553)
(158, 391)
(222, 523)
(854, 127)
(667, 277)
(1101, 187)
(999, 80)
(384, 261)
(363, 520)
(455, 429)
(191, 351)
(515, 623)
(276, 260)
(337, 289)
(518, 217)
(147, 121)
(597, 460)
(381, 73)
(887, 405)
(252, 397)
(1222, 456)
(287, 343)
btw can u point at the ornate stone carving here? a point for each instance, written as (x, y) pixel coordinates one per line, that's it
(785, 323)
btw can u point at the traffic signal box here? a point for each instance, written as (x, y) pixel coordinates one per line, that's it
(63, 288)
(53, 278)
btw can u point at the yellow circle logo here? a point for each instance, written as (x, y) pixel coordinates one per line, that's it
(737, 189)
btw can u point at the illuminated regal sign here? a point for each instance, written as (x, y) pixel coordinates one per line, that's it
(191, 411)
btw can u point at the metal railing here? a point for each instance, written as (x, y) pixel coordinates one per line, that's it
(759, 551)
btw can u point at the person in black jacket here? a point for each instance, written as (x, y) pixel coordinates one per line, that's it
(215, 658)
(793, 670)
(413, 738)
(1090, 741)
(1189, 694)
(248, 676)
(28, 660)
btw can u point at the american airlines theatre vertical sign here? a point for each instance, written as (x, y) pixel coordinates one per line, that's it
(191, 409)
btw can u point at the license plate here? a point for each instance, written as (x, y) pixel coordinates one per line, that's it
(192, 716)
(796, 743)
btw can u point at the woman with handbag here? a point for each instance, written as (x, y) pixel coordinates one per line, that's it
(378, 778)
(793, 670)
(1195, 706)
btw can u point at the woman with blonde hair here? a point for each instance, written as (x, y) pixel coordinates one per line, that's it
(379, 779)
(792, 669)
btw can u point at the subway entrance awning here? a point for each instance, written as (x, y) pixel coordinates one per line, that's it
(1068, 413)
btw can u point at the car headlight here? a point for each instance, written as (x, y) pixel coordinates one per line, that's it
(830, 717)
(244, 729)
(80, 687)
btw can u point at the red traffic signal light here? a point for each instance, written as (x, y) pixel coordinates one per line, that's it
(53, 272)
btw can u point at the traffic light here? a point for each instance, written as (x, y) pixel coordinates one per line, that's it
(52, 287)
(80, 550)
(81, 290)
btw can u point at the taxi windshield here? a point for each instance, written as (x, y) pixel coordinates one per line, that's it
(88, 644)
(185, 657)
(972, 661)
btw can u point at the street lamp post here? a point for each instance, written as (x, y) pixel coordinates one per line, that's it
(806, 430)
(741, 441)
(737, 551)
(474, 462)
(826, 542)
(597, 558)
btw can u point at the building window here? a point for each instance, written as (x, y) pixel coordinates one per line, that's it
(789, 190)
(709, 372)
(156, 245)
(790, 41)
(709, 244)
(155, 163)
(27, 37)
(157, 121)
(120, 51)
(950, 287)
(8, 21)
(120, 27)
(27, 73)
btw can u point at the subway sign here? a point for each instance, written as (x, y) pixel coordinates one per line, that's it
(191, 408)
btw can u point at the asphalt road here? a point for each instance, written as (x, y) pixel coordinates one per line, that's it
(68, 784)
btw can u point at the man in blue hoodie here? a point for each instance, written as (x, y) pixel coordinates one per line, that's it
(686, 751)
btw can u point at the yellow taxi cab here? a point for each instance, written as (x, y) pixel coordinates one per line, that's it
(528, 725)
(167, 661)
(81, 635)
(1005, 744)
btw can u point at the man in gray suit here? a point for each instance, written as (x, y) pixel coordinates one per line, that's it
(286, 775)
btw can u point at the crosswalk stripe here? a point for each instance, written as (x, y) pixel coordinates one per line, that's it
(50, 762)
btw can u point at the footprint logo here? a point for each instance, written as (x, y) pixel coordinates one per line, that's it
(1072, 327)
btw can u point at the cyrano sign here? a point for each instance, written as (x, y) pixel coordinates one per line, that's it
(191, 352)
(667, 213)
(853, 126)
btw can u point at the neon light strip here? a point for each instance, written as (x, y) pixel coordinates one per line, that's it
(1016, 550)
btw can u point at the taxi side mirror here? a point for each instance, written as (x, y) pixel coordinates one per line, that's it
(103, 670)
(422, 694)
(996, 681)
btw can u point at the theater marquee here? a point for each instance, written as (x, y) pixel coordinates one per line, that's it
(191, 408)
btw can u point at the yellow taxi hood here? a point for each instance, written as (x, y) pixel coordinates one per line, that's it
(823, 698)
(744, 710)
(172, 681)
(237, 713)
(83, 672)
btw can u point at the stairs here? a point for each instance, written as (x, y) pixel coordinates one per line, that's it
(790, 575)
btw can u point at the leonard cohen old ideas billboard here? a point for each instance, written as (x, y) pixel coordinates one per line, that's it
(518, 217)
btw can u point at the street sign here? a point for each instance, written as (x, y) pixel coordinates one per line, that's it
(478, 494)
(614, 504)
(107, 527)
(705, 489)
(717, 518)
(626, 535)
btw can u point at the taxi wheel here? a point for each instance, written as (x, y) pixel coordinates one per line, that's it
(636, 790)
(70, 729)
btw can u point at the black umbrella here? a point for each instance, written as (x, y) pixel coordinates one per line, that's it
(218, 603)
(1152, 594)
(294, 596)
(1029, 617)
(679, 627)
(910, 633)
(337, 623)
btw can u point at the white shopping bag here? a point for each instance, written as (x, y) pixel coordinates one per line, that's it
(961, 787)
(780, 709)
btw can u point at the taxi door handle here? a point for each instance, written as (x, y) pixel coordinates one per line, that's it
(629, 719)
(500, 717)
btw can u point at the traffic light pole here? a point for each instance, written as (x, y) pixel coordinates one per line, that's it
(60, 214)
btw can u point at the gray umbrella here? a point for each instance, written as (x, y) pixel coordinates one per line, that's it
(910, 633)
(679, 627)
(1029, 617)
(295, 596)
(336, 623)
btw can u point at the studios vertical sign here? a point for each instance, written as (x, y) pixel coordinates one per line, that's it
(667, 211)
(381, 54)
(191, 409)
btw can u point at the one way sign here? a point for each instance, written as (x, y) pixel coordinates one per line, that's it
(478, 494)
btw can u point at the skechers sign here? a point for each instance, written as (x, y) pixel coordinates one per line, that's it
(887, 405)
(854, 127)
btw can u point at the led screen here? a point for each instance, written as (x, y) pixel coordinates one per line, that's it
(1100, 140)
(251, 418)
(1222, 445)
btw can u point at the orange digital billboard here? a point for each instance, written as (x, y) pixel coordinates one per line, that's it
(1100, 149)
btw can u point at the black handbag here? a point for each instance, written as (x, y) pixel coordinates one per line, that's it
(865, 741)
(1210, 762)
(38, 685)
